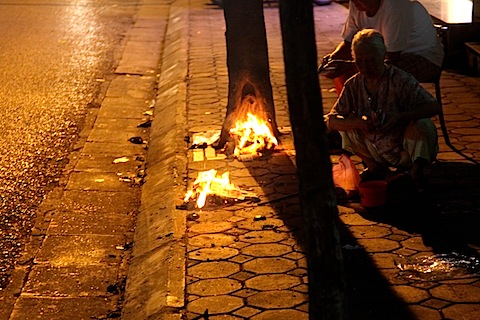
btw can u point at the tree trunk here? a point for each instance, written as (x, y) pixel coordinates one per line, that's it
(249, 84)
(327, 297)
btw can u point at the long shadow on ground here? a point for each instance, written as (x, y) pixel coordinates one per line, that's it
(446, 215)
(368, 293)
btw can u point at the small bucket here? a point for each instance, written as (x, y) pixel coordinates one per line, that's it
(373, 193)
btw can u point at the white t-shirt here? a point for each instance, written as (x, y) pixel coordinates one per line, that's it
(406, 26)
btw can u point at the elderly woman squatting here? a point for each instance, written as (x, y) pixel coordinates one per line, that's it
(383, 114)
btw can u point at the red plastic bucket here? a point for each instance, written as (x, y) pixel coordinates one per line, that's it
(373, 193)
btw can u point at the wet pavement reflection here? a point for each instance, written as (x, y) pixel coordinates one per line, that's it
(54, 58)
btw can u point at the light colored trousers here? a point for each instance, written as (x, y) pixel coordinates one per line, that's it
(420, 141)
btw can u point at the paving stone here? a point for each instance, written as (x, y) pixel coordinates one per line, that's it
(415, 243)
(240, 258)
(355, 220)
(235, 219)
(369, 231)
(378, 245)
(247, 312)
(224, 317)
(215, 304)
(239, 245)
(291, 241)
(303, 307)
(302, 262)
(213, 269)
(435, 304)
(243, 275)
(213, 287)
(299, 272)
(263, 192)
(272, 282)
(281, 315)
(267, 224)
(236, 232)
(269, 265)
(196, 167)
(211, 254)
(259, 172)
(211, 240)
(463, 293)
(251, 213)
(397, 237)
(410, 294)
(266, 250)
(278, 299)
(214, 216)
(303, 288)
(295, 256)
(424, 284)
(210, 227)
(420, 312)
(462, 311)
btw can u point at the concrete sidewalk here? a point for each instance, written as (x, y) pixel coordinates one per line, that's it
(75, 265)
(232, 265)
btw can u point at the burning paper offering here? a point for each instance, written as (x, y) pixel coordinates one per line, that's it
(252, 135)
(205, 138)
(209, 183)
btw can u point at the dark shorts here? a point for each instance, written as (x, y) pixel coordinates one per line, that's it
(422, 69)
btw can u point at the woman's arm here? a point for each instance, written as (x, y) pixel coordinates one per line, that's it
(426, 110)
(351, 122)
(343, 51)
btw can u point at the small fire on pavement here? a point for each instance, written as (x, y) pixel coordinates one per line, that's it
(251, 130)
(210, 183)
(252, 135)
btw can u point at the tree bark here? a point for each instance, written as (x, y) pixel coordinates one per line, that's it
(327, 297)
(247, 63)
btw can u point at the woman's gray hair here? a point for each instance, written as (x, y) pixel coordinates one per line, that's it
(369, 38)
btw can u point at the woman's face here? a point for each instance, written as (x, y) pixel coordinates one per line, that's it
(369, 63)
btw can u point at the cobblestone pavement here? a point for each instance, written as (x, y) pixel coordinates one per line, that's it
(246, 261)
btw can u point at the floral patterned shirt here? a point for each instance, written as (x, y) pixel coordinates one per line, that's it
(398, 92)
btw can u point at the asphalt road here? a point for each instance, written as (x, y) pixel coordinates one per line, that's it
(55, 58)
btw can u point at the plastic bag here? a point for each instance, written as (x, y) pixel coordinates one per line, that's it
(345, 175)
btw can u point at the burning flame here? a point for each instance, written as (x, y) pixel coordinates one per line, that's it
(253, 135)
(209, 183)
